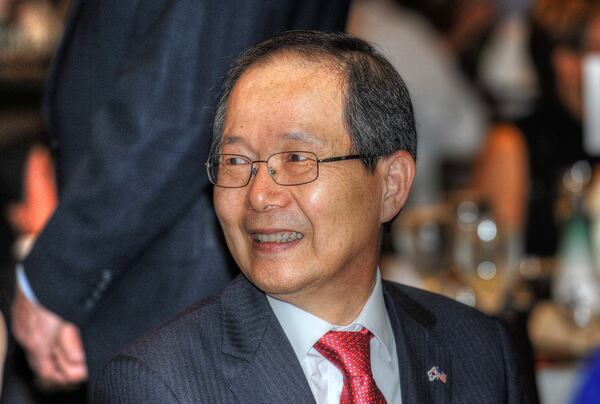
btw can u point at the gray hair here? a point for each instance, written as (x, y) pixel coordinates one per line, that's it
(378, 113)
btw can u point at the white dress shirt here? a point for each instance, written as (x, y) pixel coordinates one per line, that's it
(24, 284)
(23, 246)
(303, 330)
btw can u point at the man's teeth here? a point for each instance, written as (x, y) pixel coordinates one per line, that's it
(282, 237)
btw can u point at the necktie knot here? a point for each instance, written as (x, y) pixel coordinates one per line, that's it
(350, 352)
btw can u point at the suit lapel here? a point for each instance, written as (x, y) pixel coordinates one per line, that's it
(260, 363)
(418, 350)
(261, 366)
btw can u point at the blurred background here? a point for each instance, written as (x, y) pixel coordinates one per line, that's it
(505, 212)
(29, 32)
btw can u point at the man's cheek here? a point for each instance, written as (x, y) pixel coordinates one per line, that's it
(223, 207)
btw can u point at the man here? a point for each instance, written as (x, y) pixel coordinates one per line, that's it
(129, 106)
(313, 152)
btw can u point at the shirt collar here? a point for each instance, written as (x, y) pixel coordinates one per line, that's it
(304, 329)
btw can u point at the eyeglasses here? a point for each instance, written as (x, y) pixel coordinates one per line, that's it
(286, 168)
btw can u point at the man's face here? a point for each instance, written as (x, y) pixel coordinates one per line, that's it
(334, 222)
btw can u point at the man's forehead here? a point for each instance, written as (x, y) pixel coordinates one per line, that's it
(285, 84)
(296, 64)
(313, 140)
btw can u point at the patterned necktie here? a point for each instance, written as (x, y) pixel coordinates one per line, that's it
(350, 352)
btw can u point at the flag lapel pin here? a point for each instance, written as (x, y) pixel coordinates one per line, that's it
(435, 373)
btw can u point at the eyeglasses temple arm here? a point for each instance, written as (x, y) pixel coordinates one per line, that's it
(340, 158)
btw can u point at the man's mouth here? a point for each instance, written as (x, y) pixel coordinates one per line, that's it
(280, 237)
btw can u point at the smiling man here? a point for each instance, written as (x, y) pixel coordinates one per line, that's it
(313, 152)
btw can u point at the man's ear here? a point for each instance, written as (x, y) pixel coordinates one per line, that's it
(398, 172)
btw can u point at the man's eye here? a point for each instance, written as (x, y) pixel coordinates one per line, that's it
(234, 161)
(296, 158)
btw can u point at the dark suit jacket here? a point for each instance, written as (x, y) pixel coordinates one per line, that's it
(232, 349)
(129, 106)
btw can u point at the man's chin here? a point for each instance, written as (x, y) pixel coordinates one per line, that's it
(279, 283)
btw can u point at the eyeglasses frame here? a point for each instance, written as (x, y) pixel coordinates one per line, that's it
(253, 169)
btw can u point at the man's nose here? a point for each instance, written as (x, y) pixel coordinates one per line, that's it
(264, 193)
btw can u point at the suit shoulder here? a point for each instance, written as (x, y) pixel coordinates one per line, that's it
(201, 322)
(433, 308)
(190, 344)
(471, 340)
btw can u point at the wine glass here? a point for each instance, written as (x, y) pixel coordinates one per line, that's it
(485, 256)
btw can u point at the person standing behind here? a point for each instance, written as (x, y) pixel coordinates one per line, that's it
(128, 104)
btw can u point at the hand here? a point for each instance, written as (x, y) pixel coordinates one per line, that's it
(53, 345)
(68, 354)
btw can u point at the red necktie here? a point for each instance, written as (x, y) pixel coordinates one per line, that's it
(350, 352)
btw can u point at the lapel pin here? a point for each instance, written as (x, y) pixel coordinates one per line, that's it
(435, 373)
